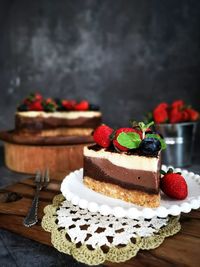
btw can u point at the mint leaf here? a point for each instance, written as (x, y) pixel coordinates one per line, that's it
(162, 141)
(129, 140)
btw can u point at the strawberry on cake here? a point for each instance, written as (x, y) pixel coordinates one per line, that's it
(125, 164)
(49, 117)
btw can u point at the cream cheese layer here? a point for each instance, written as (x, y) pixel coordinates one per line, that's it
(60, 115)
(126, 161)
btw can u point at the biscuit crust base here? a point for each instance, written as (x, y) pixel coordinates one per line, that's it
(134, 196)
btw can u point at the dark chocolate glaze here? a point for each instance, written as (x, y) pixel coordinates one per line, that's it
(103, 170)
(40, 123)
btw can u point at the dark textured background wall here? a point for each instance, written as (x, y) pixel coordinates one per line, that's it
(125, 56)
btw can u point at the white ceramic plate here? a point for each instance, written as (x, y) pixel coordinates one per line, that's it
(75, 191)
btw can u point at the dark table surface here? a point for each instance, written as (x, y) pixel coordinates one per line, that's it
(18, 251)
(21, 252)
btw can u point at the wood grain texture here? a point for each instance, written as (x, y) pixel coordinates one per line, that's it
(28, 158)
(179, 250)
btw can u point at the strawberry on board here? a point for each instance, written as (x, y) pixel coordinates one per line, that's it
(174, 185)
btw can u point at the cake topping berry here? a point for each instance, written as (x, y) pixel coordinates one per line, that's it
(134, 139)
(102, 135)
(139, 138)
(36, 102)
(82, 106)
(35, 106)
(129, 139)
(174, 185)
(68, 104)
(150, 146)
(32, 103)
(49, 105)
(94, 107)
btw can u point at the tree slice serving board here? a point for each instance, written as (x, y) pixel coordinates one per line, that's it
(179, 250)
(27, 159)
(26, 153)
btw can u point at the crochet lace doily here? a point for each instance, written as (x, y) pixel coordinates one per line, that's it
(92, 238)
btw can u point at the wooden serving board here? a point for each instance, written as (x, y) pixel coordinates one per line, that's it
(26, 153)
(28, 158)
(179, 250)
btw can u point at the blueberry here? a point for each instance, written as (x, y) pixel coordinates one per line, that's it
(94, 107)
(22, 107)
(150, 146)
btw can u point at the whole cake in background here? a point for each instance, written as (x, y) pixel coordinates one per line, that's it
(56, 117)
(125, 164)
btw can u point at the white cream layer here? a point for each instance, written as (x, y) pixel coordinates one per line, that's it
(61, 115)
(124, 160)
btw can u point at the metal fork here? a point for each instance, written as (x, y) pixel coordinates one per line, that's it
(41, 181)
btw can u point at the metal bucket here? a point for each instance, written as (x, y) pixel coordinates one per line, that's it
(179, 138)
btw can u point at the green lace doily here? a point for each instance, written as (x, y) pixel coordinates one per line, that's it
(85, 254)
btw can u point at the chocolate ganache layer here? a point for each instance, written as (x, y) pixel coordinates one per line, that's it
(39, 122)
(102, 169)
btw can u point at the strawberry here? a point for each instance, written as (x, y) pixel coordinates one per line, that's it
(193, 114)
(35, 106)
(174, 185)
(26, 101)
(38, 96)
(82, 106)
(69, 104)
(162, 105)
(175, 115)
(185, 115)
(160, 113)
(178, 104)
(124, 130)
(102, 135)
(49, 100)
(49, 105)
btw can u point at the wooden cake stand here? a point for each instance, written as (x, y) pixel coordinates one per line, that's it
(28, 153)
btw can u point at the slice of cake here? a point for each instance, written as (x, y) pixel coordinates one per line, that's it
(48, 117)
(125, 164)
